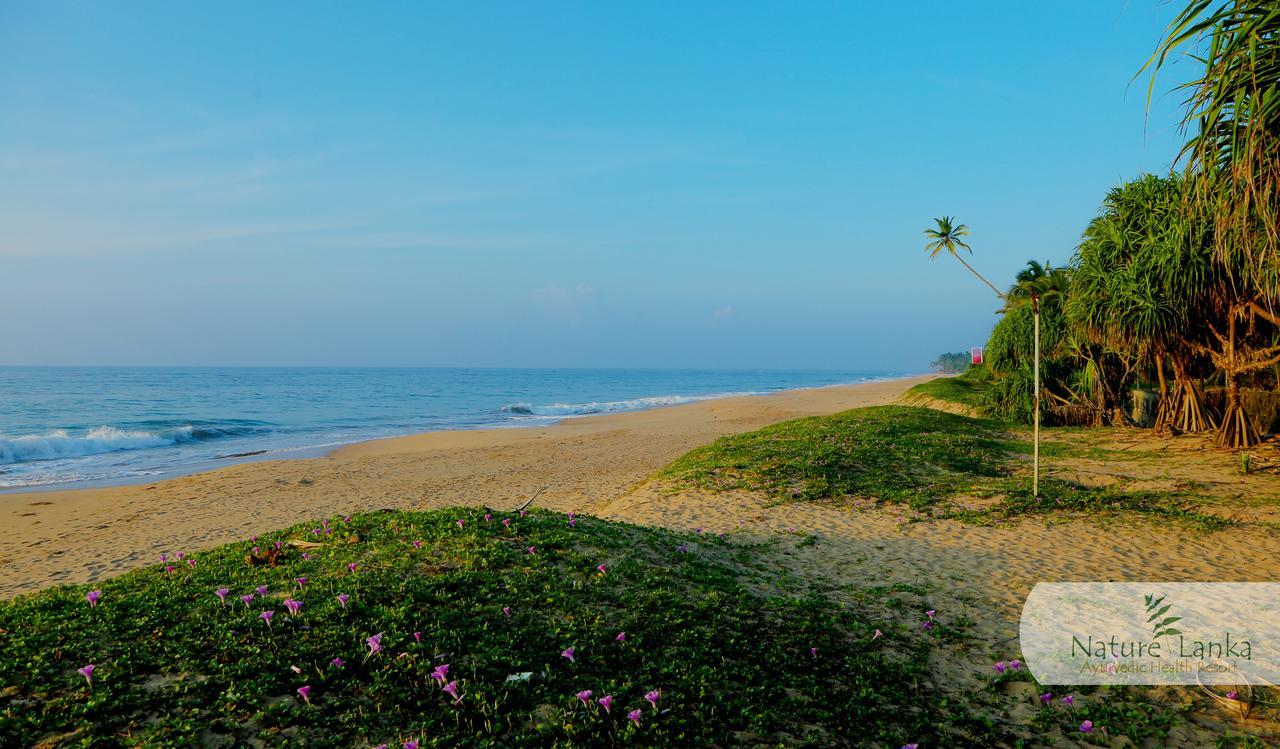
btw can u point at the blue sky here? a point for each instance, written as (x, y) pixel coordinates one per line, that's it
(548, 184)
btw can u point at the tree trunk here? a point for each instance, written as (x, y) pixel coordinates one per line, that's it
(1163, 406)
(1189, 412)
(1236, 430)
(998, 292)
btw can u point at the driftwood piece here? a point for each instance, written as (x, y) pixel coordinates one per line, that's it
(529, 501)
(268, 558)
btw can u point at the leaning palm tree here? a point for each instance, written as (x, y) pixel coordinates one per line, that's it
(947, 236)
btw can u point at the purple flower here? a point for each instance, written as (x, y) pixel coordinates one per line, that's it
(1046, 697)
(1000, 667)
(600, 568)
(343, 598)
(266, 617)
(813, 652)
(87, 672)
(487, 517)
(568, 653)
(1233, 695)
(930, 613)
(301, 581)
(279, 545)
(451, 689)
(257, 550)
(168, 569)
(506, 522)
(523, 513)
(417, 544)
(1015, 664)
(910, 746)
(683, 548)
(506, 610)
(573, 523)
(653, 696)
(459, 523)
(634, 717)
(622, 637)
(337, 663)
(292, 605)
(375, 643)
(305, 693)
(411, 744)
(262, 590)
(191, 563)
(1086, 727)
(92, 597)
(353, 566)
(178, 556)
(583, 696)
(532, 550)
(417, 637)
(1069, 701)
(221, 593)
(305, 556)
(606, 702)
(877, 635)
(164, 557)
(247, 598)
(347, 519)
(928, 624)
(441, 674)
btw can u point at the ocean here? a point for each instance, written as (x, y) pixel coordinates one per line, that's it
(63, 427)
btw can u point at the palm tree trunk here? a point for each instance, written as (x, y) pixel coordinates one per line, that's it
(998, 292)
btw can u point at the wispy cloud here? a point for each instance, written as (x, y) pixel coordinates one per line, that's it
(566, 303)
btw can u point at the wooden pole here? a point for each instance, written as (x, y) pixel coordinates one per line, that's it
(1035, 470)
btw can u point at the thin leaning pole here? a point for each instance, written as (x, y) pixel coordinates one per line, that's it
(1035, 461)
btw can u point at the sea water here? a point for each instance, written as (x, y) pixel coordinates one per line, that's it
(80, 426)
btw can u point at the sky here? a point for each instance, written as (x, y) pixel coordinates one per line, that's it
(550, 184)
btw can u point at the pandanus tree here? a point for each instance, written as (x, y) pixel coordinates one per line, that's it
(1142, 279)
(1232, 164)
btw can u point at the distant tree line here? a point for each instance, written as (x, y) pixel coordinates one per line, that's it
(951, 363)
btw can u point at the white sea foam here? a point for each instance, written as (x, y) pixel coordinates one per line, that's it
(602, 407)
(62, 444)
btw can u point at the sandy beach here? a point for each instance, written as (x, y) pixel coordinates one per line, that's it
(84, 535)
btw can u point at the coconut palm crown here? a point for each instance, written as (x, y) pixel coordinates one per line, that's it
(946, 235)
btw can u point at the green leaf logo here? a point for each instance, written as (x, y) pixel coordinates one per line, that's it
(1156, 617)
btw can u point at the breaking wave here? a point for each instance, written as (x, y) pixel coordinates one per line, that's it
(604, 407)
(60, 443)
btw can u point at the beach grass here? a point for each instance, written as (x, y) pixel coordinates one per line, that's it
(941, 465)
(960, 390)
(704, 661)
